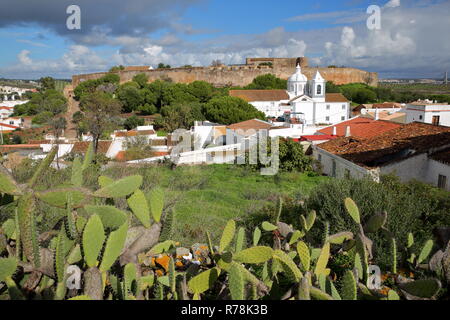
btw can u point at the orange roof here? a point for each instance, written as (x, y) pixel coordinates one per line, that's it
(21, 146)
(260, 95)
(121, 156)
(393, 145)
(361, 127)
(335, 97)
(82, 146)
(254, 124)
(133, 133)
(386, 105)
(8, 126)
(12, 147)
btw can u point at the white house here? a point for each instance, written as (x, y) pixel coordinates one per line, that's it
(6, 112)
(428, 112)
(413, 151)
(304, 100)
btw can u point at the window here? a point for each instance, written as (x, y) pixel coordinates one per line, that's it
(11, 122)
(319, 89)
(436, 120)
(420, 117)
(319, 157)
(442, 181)
(327, 118)
(328, 107)
(343, 107)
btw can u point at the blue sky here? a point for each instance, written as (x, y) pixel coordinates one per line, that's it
(36, 41)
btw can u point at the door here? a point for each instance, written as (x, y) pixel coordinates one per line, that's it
(436, 120)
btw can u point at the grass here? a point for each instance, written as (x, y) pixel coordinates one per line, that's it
(204, 198)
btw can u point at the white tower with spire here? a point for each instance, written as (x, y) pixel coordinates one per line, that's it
(317, 87)
(297, 83)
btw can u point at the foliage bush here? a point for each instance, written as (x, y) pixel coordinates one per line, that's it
(111, 233)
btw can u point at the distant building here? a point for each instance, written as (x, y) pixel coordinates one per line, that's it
(428, 112)
(412, 151)
(305, 100)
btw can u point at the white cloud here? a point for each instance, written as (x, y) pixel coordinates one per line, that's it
(392, 4)
(24, 58)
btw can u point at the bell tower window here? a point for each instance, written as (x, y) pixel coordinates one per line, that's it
(319, 89)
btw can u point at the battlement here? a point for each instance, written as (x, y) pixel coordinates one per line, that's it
(239, 75)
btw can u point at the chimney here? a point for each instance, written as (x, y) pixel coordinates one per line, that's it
(334, 131)
(377, 114)
(347, 132)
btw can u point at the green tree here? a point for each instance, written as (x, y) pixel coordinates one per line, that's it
(47, 83)
(130, 96)
(42, 118)
(163, 66)
(292, 156)
(133, 122)
(99, 110)
(147, 109)
(267, 82)
(141, 79)
(365, 96)
(80, 124)
(179, 116)
(116, 68)
(332, 88)
(201, 90)
(228, 110)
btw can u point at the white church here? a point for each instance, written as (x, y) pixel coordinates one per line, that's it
(305, 101)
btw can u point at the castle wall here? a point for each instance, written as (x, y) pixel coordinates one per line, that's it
(241, 75)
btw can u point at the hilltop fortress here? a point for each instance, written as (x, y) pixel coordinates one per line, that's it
(239, 75)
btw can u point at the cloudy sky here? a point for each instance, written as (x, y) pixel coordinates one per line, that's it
(413, 39)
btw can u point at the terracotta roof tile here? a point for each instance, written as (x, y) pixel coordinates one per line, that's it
(393, 145)
(82, 146)
(134, 133)
(318, 137)
(260, 95)
(335, 97)
(254, 124)
(361, 127)
(386, 105)
(8, 126)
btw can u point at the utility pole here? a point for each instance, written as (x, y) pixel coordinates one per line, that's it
(446, 78)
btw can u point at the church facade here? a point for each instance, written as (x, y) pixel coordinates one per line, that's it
(305, 101)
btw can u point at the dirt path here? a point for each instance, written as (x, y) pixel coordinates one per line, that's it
(72, 107)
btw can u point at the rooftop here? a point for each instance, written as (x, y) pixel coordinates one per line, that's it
(318, 137)
(361, 127)
(254, 124)
(82, 146)
(398, 117)
(390, 146)
(335, 97)
(134, 133)
(386, 105)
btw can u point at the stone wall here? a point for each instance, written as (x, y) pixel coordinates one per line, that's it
(242, 75)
